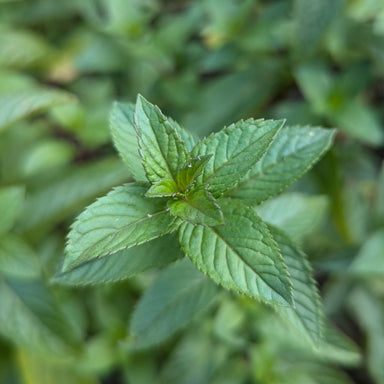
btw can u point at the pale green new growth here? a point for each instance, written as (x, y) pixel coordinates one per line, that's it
(201, 189)
(198, 207)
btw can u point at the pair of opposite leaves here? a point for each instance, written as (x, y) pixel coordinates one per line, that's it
(196, 186)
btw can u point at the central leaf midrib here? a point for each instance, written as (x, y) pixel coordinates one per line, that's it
(238, 154)
(256, 175)
(115, 233)
(247, 264)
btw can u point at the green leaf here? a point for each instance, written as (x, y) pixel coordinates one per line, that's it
(337, 347)
(31, 318)
(11, 200)
(17, 259)
(306, 314)
(196, 359)
(184, 179)
(316, 83)
(190, 171)
(123, 264)
(59, 198)
(369, 312)
(161, 148)
(162, 188)
(198, 207)
(354, 114)
(241, 255)
(121, 219)
(189, 139)
(311, 20)
(305, 213)
(37, 370)
(370, 259)
(237, 148)
(16, 106)
(293, 151)
(179, 294)
(121, 122)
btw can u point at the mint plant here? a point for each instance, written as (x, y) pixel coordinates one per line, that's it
(202, 194)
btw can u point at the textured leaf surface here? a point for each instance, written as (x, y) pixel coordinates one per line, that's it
(123, 264)
(293, 151)
(198, 207)
(121, 122)
(16, 106)
(241, 255)
(306, 315)
(121, 219)
(11, 200)
(161, 148)
(171, 302)
(30, 318)
(236, 149)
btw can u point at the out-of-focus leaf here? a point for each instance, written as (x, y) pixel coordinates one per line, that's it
(369, 312)
(37, 370)
(316, 83)
(295, 213)
(47, 155)
(232, 97)
(17, 259)
(194, 361)
(16, 106)
(171, 302)
(124, 264)
(11, 200)
(380, 196)
(360, 121)
(370, 259)
(311, 19)
(339, 348)
(229, 321)
(22, 49)
(61, 198)
(38, 323)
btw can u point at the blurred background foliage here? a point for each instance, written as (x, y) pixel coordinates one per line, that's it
(206, 63)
